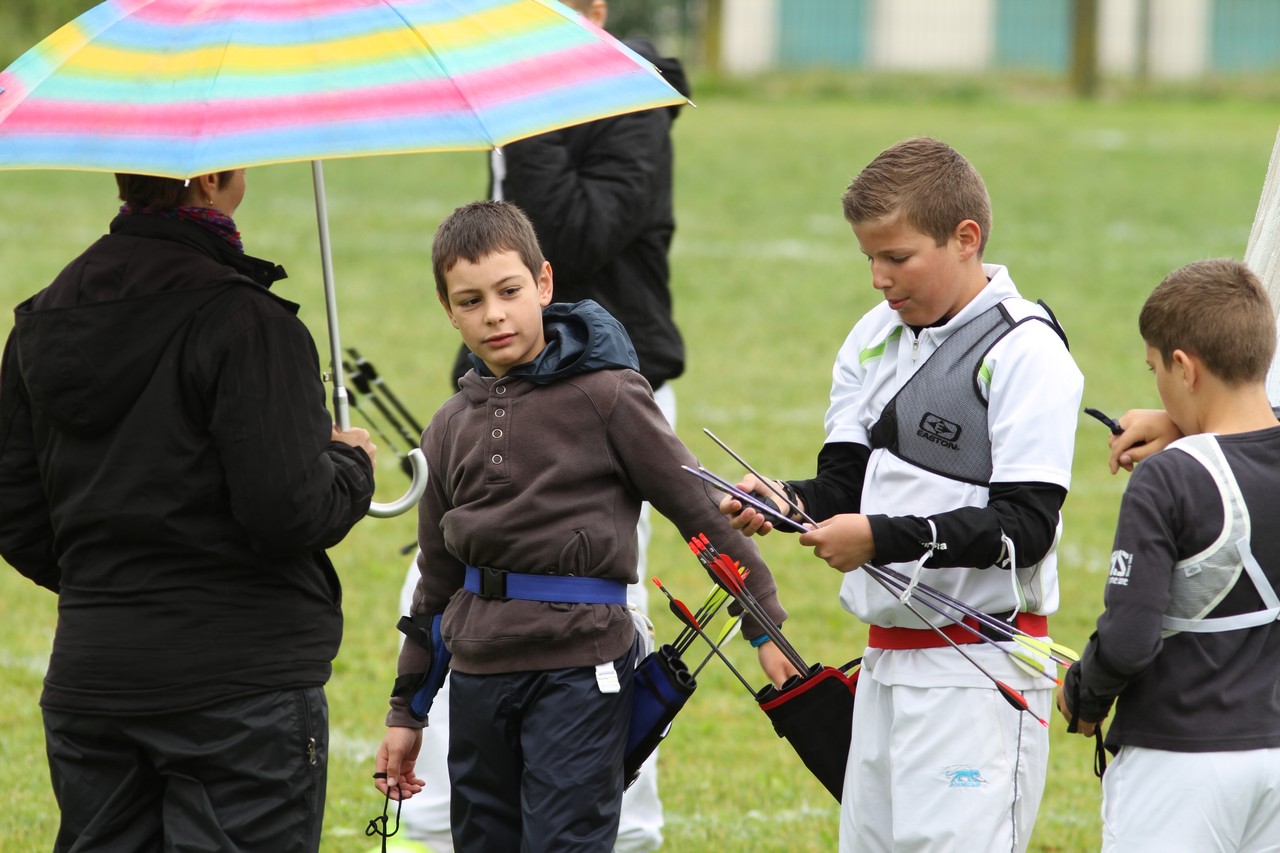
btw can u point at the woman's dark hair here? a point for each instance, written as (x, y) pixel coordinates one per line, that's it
(150, 191)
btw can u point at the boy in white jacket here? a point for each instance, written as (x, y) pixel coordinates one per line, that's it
(949, 441)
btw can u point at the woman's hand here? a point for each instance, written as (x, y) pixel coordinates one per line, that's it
(356, 437)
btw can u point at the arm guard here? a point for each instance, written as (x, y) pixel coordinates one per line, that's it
(421, 688)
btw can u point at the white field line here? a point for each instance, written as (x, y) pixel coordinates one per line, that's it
(743, 826)
(36, 664)
(352, 747)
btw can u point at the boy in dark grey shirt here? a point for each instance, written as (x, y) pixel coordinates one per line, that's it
(1188, 643)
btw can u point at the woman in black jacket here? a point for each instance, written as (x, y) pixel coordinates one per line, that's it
(168, 467)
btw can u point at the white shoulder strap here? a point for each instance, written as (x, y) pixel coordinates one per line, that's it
(1234, 540)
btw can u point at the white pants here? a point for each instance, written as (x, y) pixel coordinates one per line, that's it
(425, 817)
(1206, 802)
(936, 769)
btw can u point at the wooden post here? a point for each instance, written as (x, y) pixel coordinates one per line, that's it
(1144, 42)
(712, 27)
(1084, 47)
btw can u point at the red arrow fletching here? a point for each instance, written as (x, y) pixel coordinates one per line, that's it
(1018, 701)
(727, 577)
(678, 607)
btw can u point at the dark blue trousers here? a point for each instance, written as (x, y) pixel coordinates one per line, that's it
(243, 775)
(535, 759)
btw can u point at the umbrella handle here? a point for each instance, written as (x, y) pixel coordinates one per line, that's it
(409, 498)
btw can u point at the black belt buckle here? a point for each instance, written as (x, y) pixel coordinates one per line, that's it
(493, 583)
(992, 634)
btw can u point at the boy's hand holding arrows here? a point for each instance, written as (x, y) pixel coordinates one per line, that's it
(758, 504)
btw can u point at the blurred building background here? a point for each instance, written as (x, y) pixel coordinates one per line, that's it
(1162, 39)
(1078, 41)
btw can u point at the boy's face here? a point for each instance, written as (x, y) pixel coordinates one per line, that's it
(497, 306)
(922, 281)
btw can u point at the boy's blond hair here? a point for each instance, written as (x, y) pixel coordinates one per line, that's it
(1217, 311)
(925, 181)
(480, 229)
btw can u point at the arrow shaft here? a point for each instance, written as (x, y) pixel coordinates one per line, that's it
(706, 612)
(682, 613)
(1053, 650)
(753, 607)
(723, 485)
(1012, 696)
(768, 483)
(724, 634)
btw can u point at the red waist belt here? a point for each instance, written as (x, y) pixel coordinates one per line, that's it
(923, 638)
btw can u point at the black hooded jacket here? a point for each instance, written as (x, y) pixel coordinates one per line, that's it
(166, 466)
(599, 196)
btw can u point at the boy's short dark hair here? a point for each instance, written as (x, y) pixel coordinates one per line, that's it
(151, 192)
(479, 229)
(1217, 311)
(926, 181)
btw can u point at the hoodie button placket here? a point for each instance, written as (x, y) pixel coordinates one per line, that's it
(499, 429)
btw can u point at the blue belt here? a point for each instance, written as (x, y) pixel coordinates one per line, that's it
(495, 583)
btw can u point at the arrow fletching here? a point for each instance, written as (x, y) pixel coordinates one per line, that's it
(728, 575)
(1018, 701)
(678, 607)
(1061, 654)
(1031, 666)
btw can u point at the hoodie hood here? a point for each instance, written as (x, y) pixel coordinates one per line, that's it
(581, 337)
(671, 69)
(89, 344)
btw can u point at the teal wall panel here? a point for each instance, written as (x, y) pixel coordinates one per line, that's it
(1244, 35)
(1033, 34)
(822, 33)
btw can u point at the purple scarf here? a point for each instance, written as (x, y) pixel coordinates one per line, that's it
(211, 220)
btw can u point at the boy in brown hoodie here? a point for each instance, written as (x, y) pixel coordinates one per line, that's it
(527, 536)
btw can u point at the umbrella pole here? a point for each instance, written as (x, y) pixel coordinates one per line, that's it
(341, 414)
(340, 411)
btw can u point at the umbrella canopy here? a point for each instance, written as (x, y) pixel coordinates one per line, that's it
(186, 87)
(180, 88)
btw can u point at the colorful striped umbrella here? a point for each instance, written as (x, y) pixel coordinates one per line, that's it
(180, 88)
(186, 87)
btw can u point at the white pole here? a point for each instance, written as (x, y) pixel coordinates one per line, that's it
(1262, 254)
(340, 412)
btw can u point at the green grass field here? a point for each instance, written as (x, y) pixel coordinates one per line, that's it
(1094, 203)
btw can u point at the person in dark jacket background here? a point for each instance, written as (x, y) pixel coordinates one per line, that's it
(169, 469)
(600, 198)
